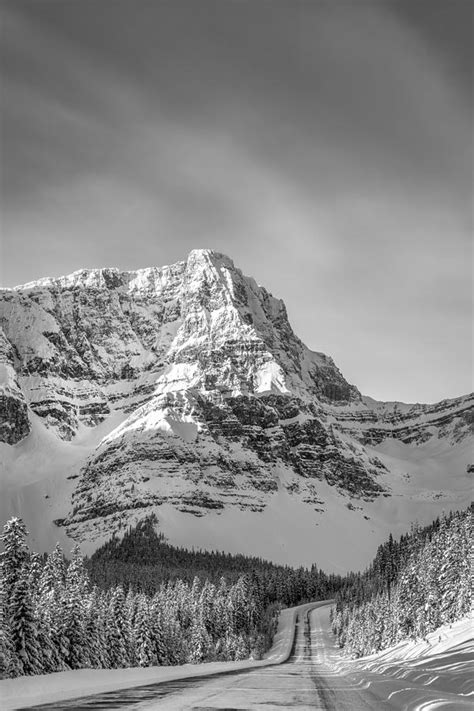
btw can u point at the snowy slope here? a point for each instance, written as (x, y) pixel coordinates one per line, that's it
(426, 675)
(183, 390)
(443, 660)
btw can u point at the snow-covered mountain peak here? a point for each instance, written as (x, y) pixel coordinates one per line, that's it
(194, 392)
(108, 278)
(114, 278)
(197, 323)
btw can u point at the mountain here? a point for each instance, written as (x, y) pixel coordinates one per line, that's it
(183, 390)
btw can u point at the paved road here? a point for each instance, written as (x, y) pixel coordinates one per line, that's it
(313, 677)
(296, 684)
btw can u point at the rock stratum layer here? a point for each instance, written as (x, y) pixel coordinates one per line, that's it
(185, 389)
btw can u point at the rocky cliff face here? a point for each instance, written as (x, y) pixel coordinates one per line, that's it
(373, 422)
(14, 422)
(220, 404)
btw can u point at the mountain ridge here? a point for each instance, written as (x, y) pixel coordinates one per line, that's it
(207, 400)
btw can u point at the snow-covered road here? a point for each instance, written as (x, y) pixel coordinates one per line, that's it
(303, 671)
(293, 684)
(315, 676)
(345, 685)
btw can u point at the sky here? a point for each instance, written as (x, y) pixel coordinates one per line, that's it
(324, 145)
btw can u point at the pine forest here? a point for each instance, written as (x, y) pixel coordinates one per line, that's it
(413, 587)
(138, 601)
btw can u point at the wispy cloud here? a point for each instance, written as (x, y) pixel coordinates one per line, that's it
(325, 146)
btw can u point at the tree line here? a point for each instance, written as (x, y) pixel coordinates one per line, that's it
(52, 618)
(413, 586)
(138, 601)
(143, 560)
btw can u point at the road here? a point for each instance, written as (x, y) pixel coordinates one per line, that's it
(314, 676)
(303, 682)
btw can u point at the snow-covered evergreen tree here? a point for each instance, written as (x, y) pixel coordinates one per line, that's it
(15, 553)
(74, 610)
(27, 653)
(94, 626)
(200, 642)
(432, 587)
(51, 619)
(117, 630)
(50, 601)
(143, 634)
(6, 646)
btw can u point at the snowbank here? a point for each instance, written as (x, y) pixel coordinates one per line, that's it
(430, 675)
(443, 661)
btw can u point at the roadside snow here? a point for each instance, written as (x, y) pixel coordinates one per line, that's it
(427, 675)
(444, 660)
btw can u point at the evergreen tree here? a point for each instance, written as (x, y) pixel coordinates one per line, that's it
(143, 634)
(27, 654)
(430, 586)
(94, 627)
(117, 630)
(74, 610)
(6, 645)
(199, 643)
(15, 554)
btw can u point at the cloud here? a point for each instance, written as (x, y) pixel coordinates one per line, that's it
(324, 148)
